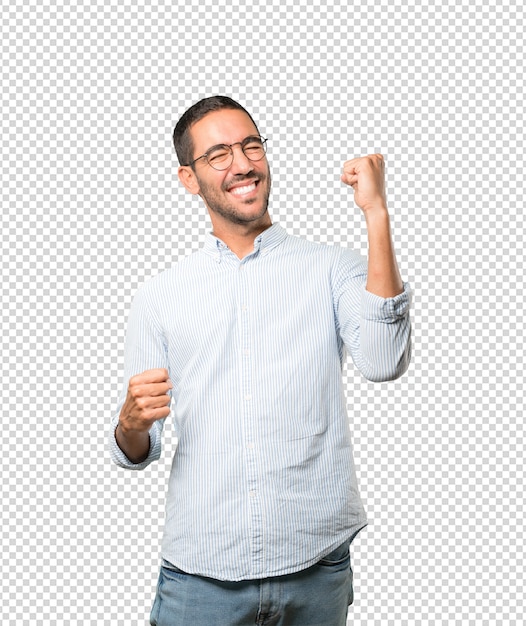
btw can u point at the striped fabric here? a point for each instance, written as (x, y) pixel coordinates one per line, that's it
(263, 480)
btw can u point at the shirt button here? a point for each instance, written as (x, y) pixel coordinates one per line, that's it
(252, 493)
(248, 396)
(251, 445)
(246, 351)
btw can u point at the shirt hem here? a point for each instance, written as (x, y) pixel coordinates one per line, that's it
(294, 569)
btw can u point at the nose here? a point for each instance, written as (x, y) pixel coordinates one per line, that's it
(240, 163)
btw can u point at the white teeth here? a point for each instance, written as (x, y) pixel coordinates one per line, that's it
(239, 191)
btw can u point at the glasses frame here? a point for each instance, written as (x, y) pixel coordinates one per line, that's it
(229, 147)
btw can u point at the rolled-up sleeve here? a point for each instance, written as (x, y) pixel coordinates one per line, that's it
(145, 349)
(376, 331)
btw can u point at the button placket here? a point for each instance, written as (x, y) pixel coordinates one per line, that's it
(248, 413)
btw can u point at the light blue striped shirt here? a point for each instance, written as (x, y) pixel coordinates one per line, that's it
(263, 480)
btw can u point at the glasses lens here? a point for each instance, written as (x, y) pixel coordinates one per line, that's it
(220, 158)
(254, 148)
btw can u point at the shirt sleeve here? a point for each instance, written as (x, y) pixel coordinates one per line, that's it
(145, 348)
(376, 331)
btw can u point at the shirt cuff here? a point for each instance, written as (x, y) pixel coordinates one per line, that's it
(387, 310)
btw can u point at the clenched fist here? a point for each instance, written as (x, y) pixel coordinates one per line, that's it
(366, 176)
(147, 400)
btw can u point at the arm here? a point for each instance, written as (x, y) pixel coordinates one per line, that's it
(366, 176)
(377, 332)
(135, 434)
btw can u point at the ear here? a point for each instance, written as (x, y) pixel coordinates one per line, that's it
(188, 179)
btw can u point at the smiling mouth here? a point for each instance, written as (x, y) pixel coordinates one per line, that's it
(245, 189)
(241, 191)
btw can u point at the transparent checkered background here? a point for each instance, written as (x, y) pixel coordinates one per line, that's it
(91, 208)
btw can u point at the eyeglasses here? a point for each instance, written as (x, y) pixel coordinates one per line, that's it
(221, 157)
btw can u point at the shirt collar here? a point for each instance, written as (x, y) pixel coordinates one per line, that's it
(263, 243)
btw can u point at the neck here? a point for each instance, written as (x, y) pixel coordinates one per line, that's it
(240, 237)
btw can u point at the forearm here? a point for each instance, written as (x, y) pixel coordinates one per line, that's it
(383, 275)
(134, 444)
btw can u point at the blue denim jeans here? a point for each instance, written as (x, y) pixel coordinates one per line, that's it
(317, 596)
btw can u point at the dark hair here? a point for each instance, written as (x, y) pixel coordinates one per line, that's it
(181, 135)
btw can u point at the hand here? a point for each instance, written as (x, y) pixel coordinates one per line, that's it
(366, 176)
(147, 401)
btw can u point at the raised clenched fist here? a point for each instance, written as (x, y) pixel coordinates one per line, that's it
(367, 178)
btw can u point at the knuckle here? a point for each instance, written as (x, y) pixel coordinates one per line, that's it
(136, 391)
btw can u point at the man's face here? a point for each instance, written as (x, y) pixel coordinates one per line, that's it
(239, 194)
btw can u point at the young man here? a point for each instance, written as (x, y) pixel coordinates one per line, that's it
(246, 339)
